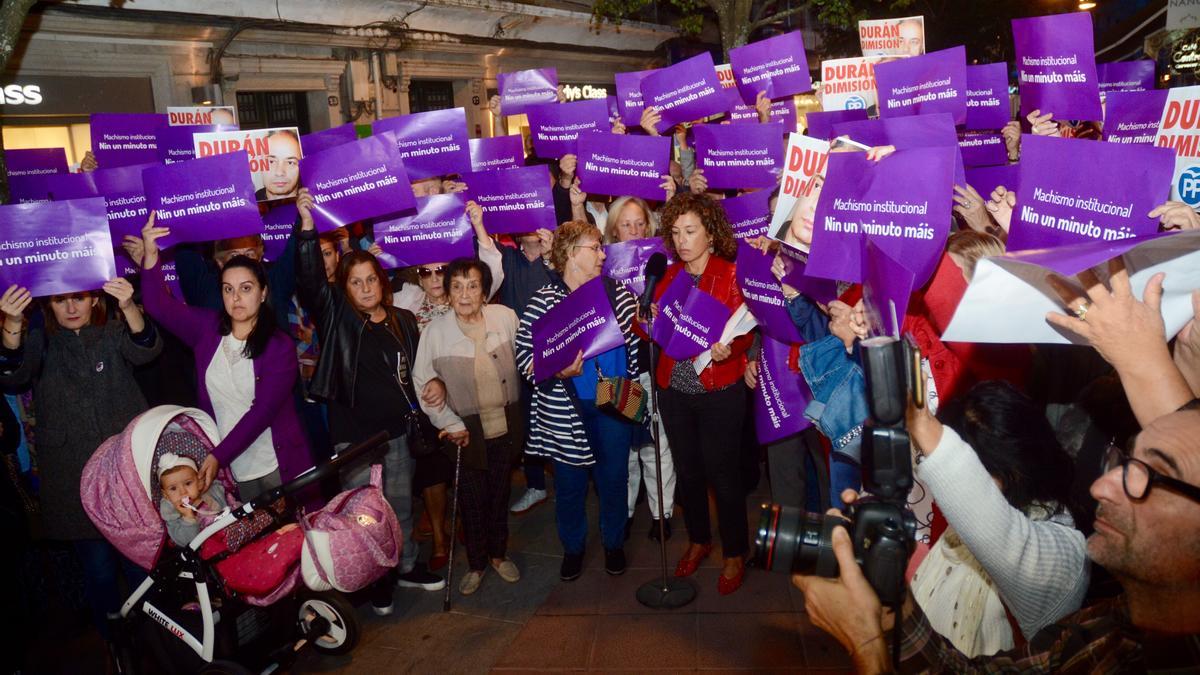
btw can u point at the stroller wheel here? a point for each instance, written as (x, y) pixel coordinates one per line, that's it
(221, 667)
(341, 634)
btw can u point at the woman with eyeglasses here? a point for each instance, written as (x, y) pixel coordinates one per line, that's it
(584, 442)
(1012, 556)
(471, 351)
(365, 375)
(630, 219)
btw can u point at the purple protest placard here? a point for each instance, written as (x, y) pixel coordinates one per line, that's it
(121, 139)
(982, 148)
(513, 200)
(56, 247)
(524, 88)
(35, 161)
(777, 66)
(988, 104)
(497, 152)
(125, 207)
(583, 321)
(693, 322)
(920, 85)
(685, 92)
(749, 215)
(356, 181)
(431, 143)
(674, 295)
(986, 179)
(277, 227)
(176, 143)
(64, 186)
(1125, 76)
(30, 189)
(1132, 117)
(900, 202)
(763, 294)
(781, 395)
(1074, 191)
(203, 199)
(795, 265)
(33, 172)
(887, 287)
(621, 165)
(555, 127)
(319, 141)
(782, 111)
(439, 232)
(739, 156)
(629, 96)
(915, 131)
(327, 138)
(820, 123)
(625, 261)
(1056, 66)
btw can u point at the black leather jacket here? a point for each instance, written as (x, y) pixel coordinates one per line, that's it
(339, 325)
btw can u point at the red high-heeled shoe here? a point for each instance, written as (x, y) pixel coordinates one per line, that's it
(725, 585)
(687, 566)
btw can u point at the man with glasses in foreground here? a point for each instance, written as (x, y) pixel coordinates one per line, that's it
(1147, 536)
(1147, 528)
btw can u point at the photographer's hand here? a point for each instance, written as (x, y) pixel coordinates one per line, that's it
(847, 608)
(924, 429)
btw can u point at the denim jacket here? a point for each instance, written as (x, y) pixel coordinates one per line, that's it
(808, 318)
(839, 405)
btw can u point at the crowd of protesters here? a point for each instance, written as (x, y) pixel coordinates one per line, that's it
(323, 347)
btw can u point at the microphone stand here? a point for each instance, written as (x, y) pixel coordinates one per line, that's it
(667, 592)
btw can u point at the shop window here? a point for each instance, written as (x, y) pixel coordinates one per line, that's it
(270, 109)
(426, 95)
(76, 139)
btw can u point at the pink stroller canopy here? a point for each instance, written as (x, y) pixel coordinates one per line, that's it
(119, 487)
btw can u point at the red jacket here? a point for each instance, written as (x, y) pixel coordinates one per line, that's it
(720, 281)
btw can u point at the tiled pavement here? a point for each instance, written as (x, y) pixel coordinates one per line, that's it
(594, 624)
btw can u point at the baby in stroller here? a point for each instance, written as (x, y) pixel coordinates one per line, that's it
(183, 506)
(186, 510)
(205, 552)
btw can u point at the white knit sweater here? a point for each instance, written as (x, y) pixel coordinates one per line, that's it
(1040, 567)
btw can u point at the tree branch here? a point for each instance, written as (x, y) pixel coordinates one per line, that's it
(766, 21)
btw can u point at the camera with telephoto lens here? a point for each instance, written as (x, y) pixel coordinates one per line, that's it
(881, 527)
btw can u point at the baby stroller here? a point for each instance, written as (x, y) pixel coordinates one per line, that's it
(232, 600)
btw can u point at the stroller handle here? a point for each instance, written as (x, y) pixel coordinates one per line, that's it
(317, 472)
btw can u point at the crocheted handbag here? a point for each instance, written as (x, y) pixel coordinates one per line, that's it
(622, 397)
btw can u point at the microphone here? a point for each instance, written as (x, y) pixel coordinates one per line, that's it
(655, 268)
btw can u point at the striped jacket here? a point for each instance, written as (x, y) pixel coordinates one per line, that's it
(555, 428)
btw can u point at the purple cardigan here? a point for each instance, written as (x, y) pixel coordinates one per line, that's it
(275, 373)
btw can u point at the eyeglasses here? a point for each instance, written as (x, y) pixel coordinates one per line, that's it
(1137, 477)
(426, 272)
(594, 247)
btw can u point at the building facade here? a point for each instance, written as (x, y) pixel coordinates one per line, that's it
(305, 63)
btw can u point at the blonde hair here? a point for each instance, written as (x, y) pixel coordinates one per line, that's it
(971, 247)
(565, 237)
(614, 213)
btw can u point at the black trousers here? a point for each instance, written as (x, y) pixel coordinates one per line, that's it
(483, 496)
(706, 445)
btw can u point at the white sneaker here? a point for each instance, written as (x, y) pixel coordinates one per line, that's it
(470, 583)
(530, 499)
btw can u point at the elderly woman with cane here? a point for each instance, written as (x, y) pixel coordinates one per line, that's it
(471, 350)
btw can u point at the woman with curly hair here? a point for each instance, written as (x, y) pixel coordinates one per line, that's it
(703, 412)
(565, 425)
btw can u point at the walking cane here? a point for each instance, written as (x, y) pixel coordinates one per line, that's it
(453, 527)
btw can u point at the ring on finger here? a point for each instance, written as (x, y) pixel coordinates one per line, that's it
(1081, 311)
